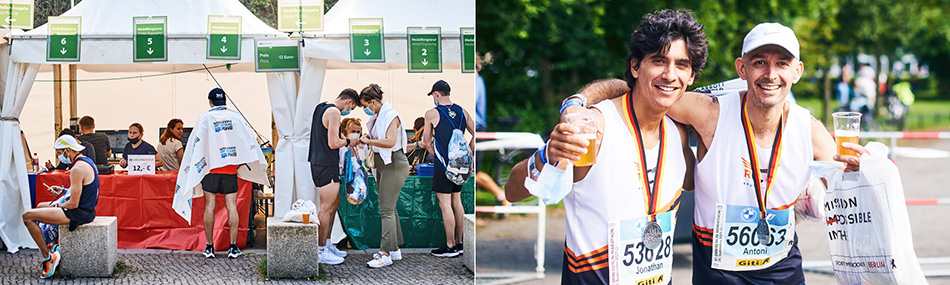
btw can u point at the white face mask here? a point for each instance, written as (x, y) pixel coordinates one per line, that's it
(553, 184)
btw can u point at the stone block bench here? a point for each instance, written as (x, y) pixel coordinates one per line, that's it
(291, 249)
(468, 240)
(90, 250)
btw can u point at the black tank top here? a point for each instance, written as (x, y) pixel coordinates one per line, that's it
(320, 151)
(451, 117)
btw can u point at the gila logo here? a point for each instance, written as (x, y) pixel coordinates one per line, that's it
(751, 262)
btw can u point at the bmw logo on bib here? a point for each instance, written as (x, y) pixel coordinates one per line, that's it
(749, 214)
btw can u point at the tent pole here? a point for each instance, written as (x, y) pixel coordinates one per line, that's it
(73, 112)
(57, 99)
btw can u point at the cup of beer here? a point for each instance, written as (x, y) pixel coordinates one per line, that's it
(306, 218)
(588, 131)
(847, 126)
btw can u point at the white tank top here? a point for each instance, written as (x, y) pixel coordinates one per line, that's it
(611, 191)
(722, 176)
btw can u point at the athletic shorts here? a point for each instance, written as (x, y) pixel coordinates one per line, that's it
(441, 184)
(220, 183)
(323, 175)
(79, 216)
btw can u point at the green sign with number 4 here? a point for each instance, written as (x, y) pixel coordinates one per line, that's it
(224, 37)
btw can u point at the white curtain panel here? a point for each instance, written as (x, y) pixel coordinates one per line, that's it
(14, 182)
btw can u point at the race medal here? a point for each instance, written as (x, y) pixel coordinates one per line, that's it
(652, 235)
(761, 196)
(630, 260)
(762, 230)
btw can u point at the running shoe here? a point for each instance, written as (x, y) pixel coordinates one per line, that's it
(445, 251)
(209, 251)
(332, 248)
(396, 255)
(49, 264)
(458, 246)
(380, 260)
(234, 251)
(327, 257)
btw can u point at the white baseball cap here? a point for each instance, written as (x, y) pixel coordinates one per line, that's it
(68, 141)
(771, 34)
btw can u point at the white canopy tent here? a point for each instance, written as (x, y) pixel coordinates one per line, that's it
(330, 48)
(107, 37)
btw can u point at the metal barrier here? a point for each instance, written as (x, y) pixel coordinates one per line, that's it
(539, 209)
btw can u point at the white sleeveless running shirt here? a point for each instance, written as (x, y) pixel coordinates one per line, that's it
(723, 176)
(611, 191)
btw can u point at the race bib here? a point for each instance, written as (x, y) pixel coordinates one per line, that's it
(737, 247)
(631, 262)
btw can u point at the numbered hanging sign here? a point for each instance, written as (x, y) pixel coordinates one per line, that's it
(299, 15)
(17, 14)
(467, 36)
(366, 40)
(425, 49)
(62, 40)
(141, 164)
(224, 37)
(276, 55)
(150, 38)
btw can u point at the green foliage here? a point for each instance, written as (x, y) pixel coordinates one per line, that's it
(540, 51)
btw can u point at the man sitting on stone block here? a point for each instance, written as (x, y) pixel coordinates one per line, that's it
(79, 209)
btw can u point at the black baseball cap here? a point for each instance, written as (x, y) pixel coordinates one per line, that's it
(217, 97)
(440, 86)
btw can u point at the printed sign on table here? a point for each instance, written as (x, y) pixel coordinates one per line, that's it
(141, 164)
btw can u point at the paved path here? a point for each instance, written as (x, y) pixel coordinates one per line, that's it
(507, 246)
(187, 267)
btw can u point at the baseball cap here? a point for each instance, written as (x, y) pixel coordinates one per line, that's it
(440, 86)
(771, 34)
(217, 96)
(68, 141)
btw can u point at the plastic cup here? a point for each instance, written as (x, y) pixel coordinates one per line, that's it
(847, 127)
(588, 131)
(306, 219)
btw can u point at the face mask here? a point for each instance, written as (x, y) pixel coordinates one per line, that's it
(134, 141)
(552, 185)
(64, 159)
(435, 102)
(368, 111)
(344, 112)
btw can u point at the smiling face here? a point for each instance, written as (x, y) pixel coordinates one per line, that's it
(177, 130)
(663, 78)
(770, 72)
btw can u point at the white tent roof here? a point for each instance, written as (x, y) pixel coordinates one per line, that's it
(450, 15)
(107, 30)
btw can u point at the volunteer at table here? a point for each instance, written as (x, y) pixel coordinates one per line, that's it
(169, 146)
(137, 145)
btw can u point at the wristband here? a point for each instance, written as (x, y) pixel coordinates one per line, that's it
(578, 96)
(417, 144)
(543, 153)
(533, 167)
(568, 104)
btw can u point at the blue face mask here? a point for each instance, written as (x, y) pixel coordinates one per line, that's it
(368, 111)
(345, 112)
(64, 159)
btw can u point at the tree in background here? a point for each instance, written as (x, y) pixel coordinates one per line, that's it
(544, 50)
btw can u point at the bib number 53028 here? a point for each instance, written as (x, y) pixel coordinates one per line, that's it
(745, 235)
(637, 253)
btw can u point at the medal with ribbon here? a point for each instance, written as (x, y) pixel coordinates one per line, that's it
(652, 232)
(762, 229)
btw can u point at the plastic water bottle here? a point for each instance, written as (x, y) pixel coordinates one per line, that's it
(36, 163)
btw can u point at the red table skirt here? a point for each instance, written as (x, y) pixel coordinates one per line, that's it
(142, 205)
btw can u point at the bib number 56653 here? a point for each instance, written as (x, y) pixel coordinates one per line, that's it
(745, 235)
(637, 253)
